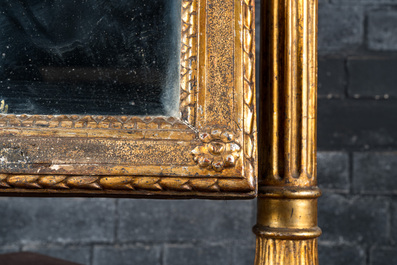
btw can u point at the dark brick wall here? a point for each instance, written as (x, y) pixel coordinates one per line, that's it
(357, 170)
(357, 140)
(123, 231)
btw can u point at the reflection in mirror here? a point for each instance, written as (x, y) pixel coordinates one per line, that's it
(107, 57)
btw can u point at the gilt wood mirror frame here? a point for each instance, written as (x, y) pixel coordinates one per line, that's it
(208, 148)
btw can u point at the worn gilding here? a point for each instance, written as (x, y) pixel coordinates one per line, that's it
(286, 226)
(154, 156)
(286, 252)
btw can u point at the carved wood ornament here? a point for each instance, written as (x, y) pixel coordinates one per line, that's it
(208, 151)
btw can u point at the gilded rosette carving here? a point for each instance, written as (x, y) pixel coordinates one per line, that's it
(218, 151)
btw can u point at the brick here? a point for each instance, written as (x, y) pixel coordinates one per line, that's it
(383, 255)
(341, 254)
(165, 221)
(80, 254)
(9, 249)
(126, 255)
(333, 171)
(357, 125)
(375, 172)
(62, 220)
(372, 77)
(353, 219)
(244, 255)
(209, 255)
(393, 233)
(382, 30)
(331, 77)
(340, 28)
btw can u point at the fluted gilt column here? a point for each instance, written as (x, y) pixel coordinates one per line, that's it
(286, 226)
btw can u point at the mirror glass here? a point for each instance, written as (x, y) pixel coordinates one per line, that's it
(99, 57)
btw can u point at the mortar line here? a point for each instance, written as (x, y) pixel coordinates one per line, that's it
(116, 221)
(389, 222)
(162, 254)
(367, 255)
(91, 258)
(350, 171)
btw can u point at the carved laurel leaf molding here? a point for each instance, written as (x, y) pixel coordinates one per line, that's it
(249, 88)
(189, 50)
(127, 183)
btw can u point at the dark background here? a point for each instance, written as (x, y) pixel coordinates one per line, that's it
(357, 171)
